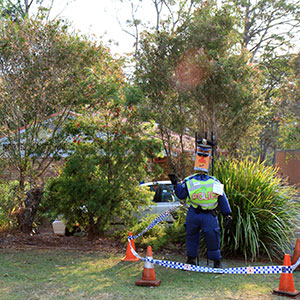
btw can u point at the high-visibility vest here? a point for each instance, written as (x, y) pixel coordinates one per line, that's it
(201, 194)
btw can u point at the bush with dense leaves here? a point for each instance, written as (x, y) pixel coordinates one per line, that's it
(8, 205)
(264, 212)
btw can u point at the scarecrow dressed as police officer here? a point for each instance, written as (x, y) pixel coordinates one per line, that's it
(203, 194)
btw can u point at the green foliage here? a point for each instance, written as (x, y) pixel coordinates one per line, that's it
(226, 96)
(18, 10)
(264, 213)
(12, 10)
(85, 193)
(199, 79)
(290, 134)
(155, 237)
(163, 235)
(270, 29)
(42, 66)
(241, 105)
(288, 118)
(176, 232)
(110, 154)
(8, 205)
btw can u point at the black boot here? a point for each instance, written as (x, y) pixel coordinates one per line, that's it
(217, 263)
(191, 260)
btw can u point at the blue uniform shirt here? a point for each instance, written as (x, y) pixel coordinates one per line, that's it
(181, 192)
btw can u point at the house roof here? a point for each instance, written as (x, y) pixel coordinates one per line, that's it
(188, 141)
(23, 128)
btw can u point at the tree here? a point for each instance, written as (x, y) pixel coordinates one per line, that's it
(100, 181)
(269, 31)
(162, 102)
(289, 129)
(41, 69)
(197, 79)
(17, 10)
(268, 25)
(227, 95)
(167, 15)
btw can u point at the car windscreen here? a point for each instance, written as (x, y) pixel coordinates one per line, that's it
(163, 193)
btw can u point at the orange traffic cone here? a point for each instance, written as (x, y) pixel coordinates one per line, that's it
(296, 254)
(148, 277)
(286, 285)
(129, 256)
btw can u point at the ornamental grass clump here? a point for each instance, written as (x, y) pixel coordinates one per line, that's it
(263, 209)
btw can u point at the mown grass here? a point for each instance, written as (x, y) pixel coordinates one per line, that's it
(52, 274)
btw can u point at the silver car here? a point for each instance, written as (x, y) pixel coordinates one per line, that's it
(164, 198)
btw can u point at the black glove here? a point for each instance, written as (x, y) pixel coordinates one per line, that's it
(174, 179)
(228, 220)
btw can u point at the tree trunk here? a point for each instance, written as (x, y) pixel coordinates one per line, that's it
(27, 211)
(93, 230)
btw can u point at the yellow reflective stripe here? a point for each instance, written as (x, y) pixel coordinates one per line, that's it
(192, 186)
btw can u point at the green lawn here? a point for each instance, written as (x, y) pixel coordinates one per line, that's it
(52, 274)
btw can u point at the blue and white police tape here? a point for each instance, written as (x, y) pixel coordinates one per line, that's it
(189, 267)
(156, 221)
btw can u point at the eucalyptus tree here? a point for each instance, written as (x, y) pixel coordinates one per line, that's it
(161, 15)
(268, 25)
(198, 79)
(289, 129)
(227, 96)
(270, 31)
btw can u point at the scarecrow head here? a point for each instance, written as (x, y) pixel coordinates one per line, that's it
(203, 156)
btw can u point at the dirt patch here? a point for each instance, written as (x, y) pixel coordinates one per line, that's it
(48, 240)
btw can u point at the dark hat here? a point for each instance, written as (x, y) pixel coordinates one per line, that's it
(204, 147)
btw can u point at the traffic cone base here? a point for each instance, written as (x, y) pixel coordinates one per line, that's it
(286, 285)
(296, 254)
(292, 295)
(142, 282)
(129, 255)
(130, 259)
(148, 277)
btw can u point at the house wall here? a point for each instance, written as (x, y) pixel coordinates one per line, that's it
(163, 163)
(288, 163)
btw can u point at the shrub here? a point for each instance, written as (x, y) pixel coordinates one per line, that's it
(8, 204)
(82, 194)
(263, 209)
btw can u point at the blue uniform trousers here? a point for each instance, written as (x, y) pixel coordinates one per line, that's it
(211, 232)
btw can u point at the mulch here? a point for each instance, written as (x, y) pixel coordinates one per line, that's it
(48, 240)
